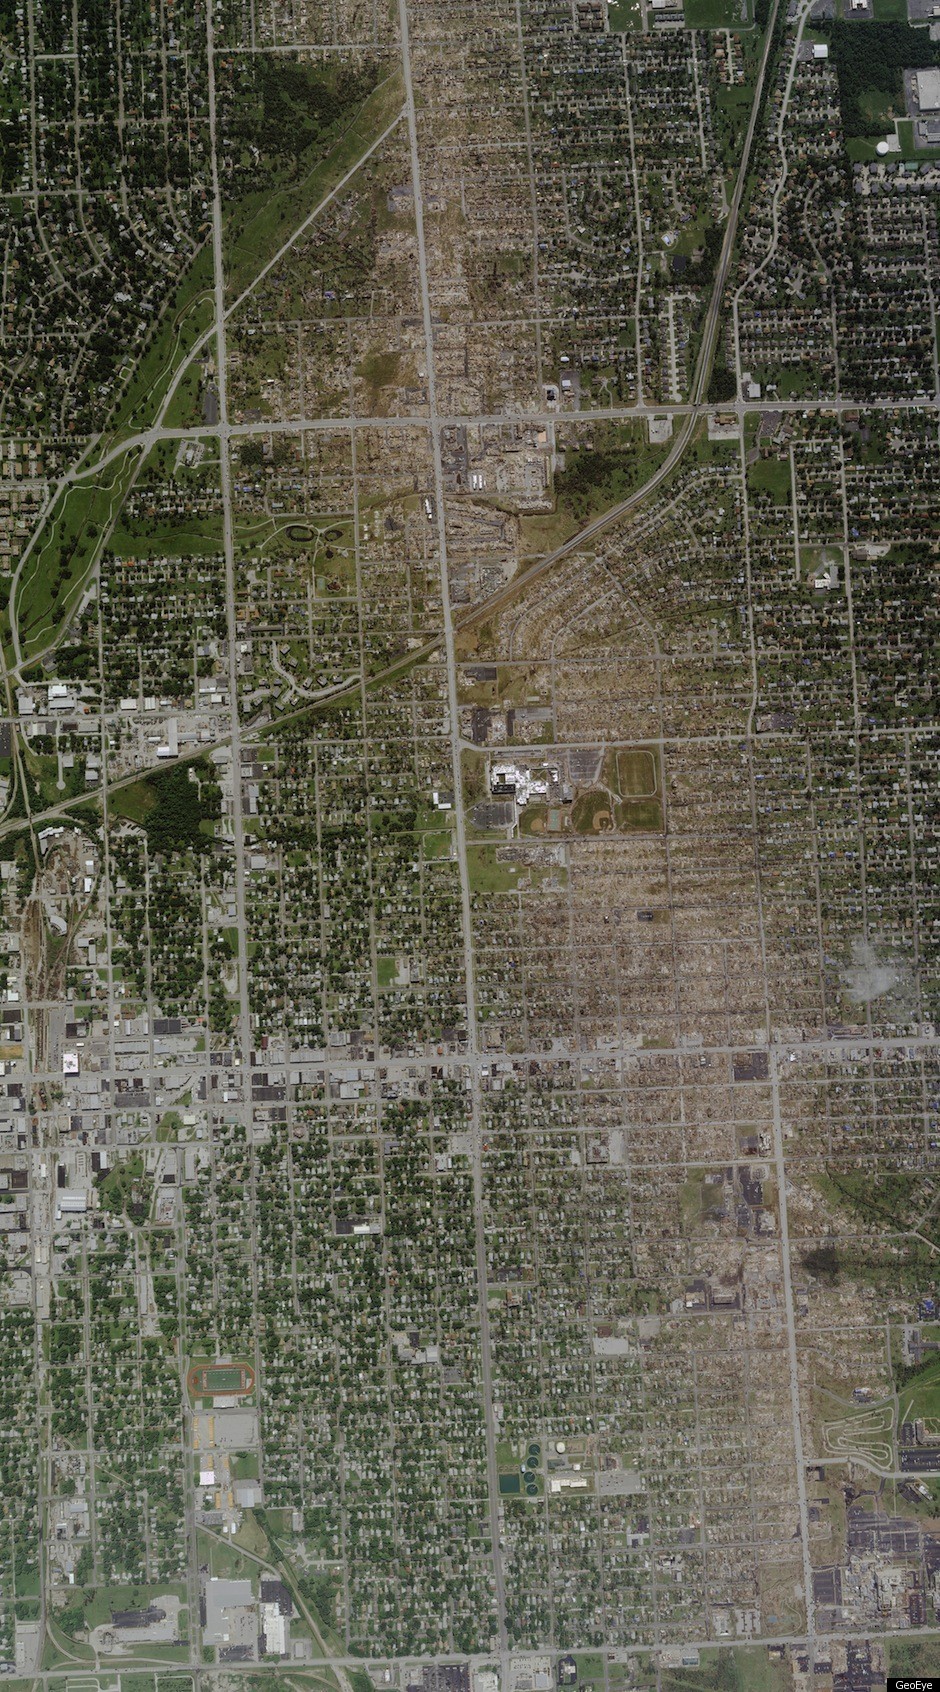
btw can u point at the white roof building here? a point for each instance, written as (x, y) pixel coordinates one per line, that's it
(274, 1628)
(171, 746)
(928, 89)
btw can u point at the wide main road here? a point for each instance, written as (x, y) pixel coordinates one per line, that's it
(497, 601)
(690, 412)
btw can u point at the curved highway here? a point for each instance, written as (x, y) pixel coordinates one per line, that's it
(482, 612)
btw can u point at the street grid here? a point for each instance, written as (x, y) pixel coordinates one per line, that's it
(457, 1135)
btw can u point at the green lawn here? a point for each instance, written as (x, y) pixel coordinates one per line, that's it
(259, 223)
(733, 109)
(640, 816)
(700, 1201)
(877, 107)
(228, 1563)
(169, 1126)
(599, 475)
(861, 148)
(735, 98)
(185, 410)
(750, 1669)
(435, 843)
(134, 802)
(487, 874)
(379, 370)
(42, 770)
(794, 381)
(771, 475)
(914, 1656)
(717, 14)
(541, 531)
(181, 537)
(55, 574)
(187, 317)
(889, 1200)
(60, 1650)
(244, 1465)
(636, 773)
(624, 15)
(921, 1396)
(591, 1667)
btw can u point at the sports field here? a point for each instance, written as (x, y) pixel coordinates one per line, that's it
(206, 1380)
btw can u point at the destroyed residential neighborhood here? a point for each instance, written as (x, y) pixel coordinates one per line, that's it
(469, 845)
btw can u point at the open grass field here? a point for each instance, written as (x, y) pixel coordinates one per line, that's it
(259, 223)
(183, 537)
(134, 802)
(602, 474)
(623, 15)
(60, 1649)
(748, 1670)
(187, 317)
(913, 1656)
(793, 381)
(379, 371)
(771, 475)
(542, 531)
(699, 1200)
(57, 570)
(487, 874)
(640, 816)
(252, 1537)
(878, 107)
(636, 773)
(717, 14)
(921, 1397)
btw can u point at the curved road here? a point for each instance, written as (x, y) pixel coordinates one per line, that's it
(497, 601)
(480, 613)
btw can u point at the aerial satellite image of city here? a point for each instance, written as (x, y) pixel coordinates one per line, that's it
(469, 845)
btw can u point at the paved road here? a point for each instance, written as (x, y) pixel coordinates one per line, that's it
(524, 579)
(778, 190)
(689, 410)
(792, 1362)
(265, 726)
(453, 699)
(689, 415)
(482, 1660)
